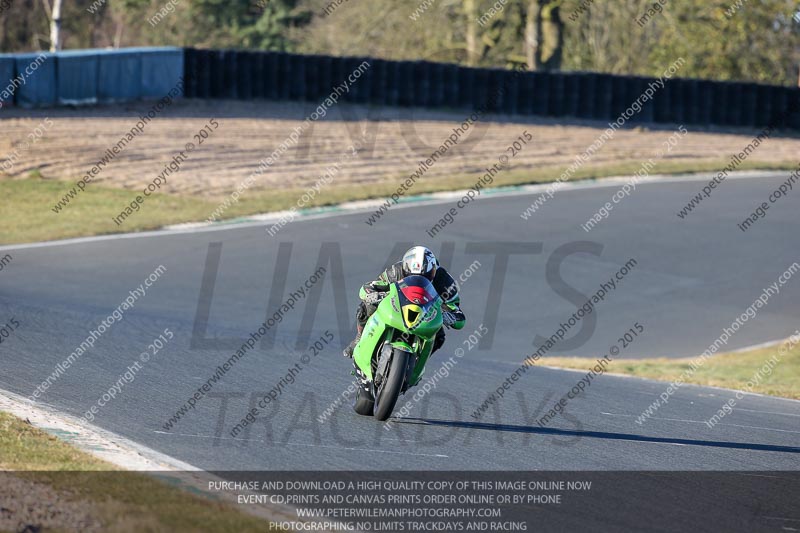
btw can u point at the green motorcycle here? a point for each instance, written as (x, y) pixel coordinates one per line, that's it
(396, 343)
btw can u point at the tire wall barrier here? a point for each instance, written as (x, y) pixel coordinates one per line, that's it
(100, 76)
(579, 95)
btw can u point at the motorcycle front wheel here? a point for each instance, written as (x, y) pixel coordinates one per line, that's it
(391, 384)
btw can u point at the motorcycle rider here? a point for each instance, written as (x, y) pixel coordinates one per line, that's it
(418, 260)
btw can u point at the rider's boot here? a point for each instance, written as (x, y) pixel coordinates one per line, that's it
(348, 352)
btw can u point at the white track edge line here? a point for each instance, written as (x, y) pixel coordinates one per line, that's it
(130, 455)
(365, 206)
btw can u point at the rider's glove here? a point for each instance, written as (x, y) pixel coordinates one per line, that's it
(374, 298)
(448, 318)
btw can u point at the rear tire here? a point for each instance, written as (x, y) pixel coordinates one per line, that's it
(365, 403)
(387, 394)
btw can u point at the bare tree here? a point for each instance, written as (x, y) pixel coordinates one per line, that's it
(533, 35)
(54, 14)
(552, 30)
(471, 33)
(544, 35)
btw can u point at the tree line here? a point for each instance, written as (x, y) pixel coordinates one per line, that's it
(745, 40)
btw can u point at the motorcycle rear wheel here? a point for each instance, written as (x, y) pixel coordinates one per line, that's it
(365, 403)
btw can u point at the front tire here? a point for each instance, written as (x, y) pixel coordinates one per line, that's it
(391, 385)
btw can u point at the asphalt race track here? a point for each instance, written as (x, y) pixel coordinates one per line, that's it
(691, 278)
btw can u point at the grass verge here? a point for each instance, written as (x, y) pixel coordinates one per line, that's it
(122, 501)
(27, 214)
(728, 370)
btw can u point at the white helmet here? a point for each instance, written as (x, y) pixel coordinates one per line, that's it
(421, 261)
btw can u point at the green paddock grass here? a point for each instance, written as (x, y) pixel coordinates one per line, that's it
(728, 370)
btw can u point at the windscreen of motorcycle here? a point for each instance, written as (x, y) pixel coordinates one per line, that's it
(417, 299)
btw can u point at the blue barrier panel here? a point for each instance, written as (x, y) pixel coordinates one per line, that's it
(526, 93)
(314, 92)
(604, 85)
(555, 104)
(37, 73)
(257, 65)
(466, 87)
(437, 85)
(719, 103)
(451, 89)
(683, 110)
(779, 101)
(499, 86)
(76, 77)
(7, 71)
(793, 108)
(571, 94)
(749, 95)
(496, 92)
(284, 80)
(243, 79)
(622, 88)
(421, 73)
(662, 104)
(649, 107)
(230, 67)
(345, 67)
(257, 76)
(587, 92)
(781, 107)
(674, 88)
(377, 83)
(272, 76)
(734, 115)
(511, 82)
(209, 65)
(364, 80)
(358, 82)
(541, 93)
(406, 82)
(480, 90)
(705, 102)
(325, 76)
(118, 73)
(633, 89)
(190, 72)
(338, 72)
(647, 112)
(162, 69)
(691, 93)
(765, 96)
(297, 79)
(216, 74)
(393, 83)
(203, 65)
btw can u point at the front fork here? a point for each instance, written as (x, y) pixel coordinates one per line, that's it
(388, 339)
(423, 353)
(413, 370)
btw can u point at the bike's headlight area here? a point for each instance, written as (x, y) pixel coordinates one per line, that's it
(412, 315)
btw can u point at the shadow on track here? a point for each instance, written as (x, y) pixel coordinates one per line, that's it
(595, 434)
